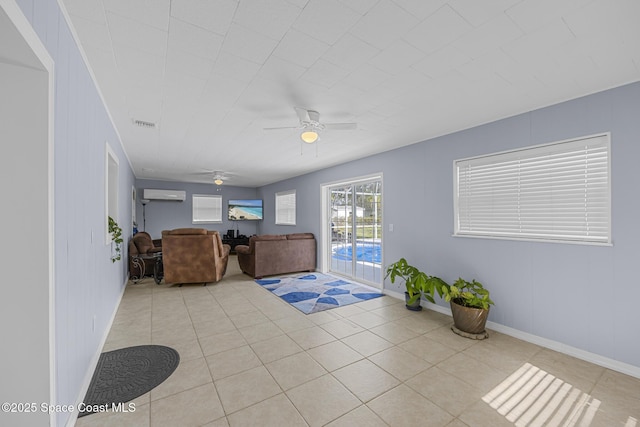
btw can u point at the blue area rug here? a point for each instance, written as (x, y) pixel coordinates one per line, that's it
(311, 293)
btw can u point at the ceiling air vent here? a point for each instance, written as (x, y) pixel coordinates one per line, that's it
(143, 124)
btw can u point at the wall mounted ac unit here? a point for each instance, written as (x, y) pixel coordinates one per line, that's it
(152, 194)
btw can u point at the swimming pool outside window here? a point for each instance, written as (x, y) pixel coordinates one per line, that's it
(355, 223)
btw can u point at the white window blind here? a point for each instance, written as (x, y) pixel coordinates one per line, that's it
(286, 208)
(558, 191)
(207, 208)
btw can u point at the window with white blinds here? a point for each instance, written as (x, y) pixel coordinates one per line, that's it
(207, 208)
(556, 192)
(286, 208)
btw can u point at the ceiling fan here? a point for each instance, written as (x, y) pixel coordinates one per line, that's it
(217, 177)
(311, 126)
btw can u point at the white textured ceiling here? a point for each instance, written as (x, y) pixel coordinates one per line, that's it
(211, 74)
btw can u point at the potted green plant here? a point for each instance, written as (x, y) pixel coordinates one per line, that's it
(470, 303)
(116, 238)
(417, 283)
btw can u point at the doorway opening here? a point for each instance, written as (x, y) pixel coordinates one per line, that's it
(26, 108)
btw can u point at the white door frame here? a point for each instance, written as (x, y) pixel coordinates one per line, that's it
(325, 240)
(24, 49)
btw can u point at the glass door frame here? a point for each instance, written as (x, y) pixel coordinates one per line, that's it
(326, 241)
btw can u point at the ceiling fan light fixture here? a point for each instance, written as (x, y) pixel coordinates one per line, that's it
(217, 181)
(309, 136)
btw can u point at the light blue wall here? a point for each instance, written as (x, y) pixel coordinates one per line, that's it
(167, 215)
(87, 284)
(581, 296)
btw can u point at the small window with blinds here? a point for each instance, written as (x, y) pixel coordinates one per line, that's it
(207, 209)
(552, 192)
(286, 208)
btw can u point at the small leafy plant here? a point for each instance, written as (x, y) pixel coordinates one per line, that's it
(469, 294)
(116, 237)
(417, 283)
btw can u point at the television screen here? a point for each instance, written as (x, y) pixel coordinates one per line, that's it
(245, 209)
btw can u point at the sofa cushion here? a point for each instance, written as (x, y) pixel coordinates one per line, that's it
(264, 238)
(270, 237)
(297, 236)
(186, 231)
(243, 249)
(143, 243)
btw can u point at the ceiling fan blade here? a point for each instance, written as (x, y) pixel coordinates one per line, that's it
(282, 127)
(211, 173)
(314, 116)
(340, 126)
(194, 174)
(303, 114)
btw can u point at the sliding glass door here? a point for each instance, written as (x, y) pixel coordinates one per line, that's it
(355, 228)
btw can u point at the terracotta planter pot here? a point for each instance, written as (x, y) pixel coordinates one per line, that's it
(468, 319)
(413, 307)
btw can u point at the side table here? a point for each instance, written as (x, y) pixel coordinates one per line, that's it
(138, 261)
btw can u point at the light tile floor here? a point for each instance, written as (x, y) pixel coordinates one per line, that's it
(250, 359)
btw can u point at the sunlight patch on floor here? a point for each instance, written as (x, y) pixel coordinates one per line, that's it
(533, 397)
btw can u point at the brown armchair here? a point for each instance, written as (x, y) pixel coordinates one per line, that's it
(142, 243)
(193, 255)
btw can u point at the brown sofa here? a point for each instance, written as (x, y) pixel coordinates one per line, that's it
(193, 255)
(271, 254)
(142, 243)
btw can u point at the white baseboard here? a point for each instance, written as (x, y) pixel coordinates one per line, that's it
(94, 361)
(594, 358)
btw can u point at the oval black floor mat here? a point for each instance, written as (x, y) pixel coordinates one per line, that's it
(124, 374)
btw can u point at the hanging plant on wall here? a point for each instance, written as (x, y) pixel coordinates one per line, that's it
(116, 238)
